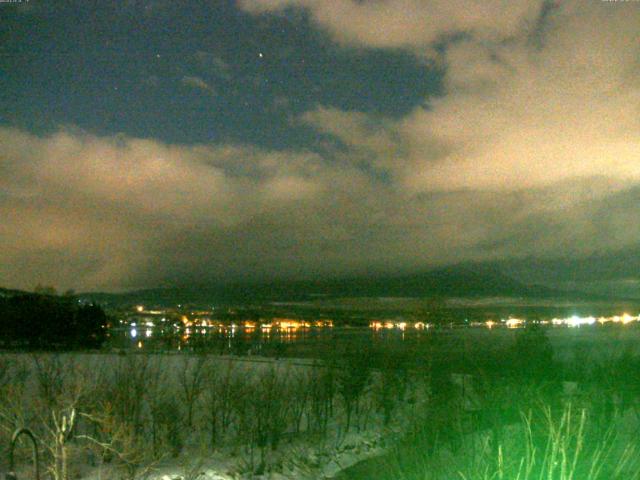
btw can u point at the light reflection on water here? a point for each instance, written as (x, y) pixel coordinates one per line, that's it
(248, 340)
(270, 340)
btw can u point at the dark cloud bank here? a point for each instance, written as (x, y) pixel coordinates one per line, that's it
(531, 151)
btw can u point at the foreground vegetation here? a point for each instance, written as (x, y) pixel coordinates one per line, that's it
(125, 414)
(509, 412)
(524, 416)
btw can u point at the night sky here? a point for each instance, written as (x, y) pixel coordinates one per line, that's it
(163, 143)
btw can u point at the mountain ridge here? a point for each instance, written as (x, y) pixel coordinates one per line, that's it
(472, 281)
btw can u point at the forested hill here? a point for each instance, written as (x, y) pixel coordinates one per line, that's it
(34, 321)
(7, 292)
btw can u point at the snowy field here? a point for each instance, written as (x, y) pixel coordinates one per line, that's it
(186, 416)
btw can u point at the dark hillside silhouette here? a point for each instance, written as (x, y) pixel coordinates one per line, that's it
(48, 322)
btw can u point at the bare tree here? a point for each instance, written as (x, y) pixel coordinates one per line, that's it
(191, 379)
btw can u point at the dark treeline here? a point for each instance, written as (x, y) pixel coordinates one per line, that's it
(49, 322)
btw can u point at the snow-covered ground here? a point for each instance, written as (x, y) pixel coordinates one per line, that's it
(31, 387)
(308, 454)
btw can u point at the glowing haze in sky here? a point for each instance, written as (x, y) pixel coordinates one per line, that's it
(154, 142)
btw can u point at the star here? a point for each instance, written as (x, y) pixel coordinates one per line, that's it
(260, 54)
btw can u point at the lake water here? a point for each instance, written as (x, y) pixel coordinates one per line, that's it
(594, 341)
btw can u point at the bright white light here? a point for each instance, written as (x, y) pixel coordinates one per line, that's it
(134, 333)
(514, 322)
(574, 321)
(626, 318)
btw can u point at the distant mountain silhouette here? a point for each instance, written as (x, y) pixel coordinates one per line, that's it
(457, 281)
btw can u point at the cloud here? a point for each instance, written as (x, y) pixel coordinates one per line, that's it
(533, 149)
(105, 206)
(84, 211)
(198, 83)
(369, 138)
(90, 212)
(554, 101)
(408, 23)
(214, 64)
(535, 137)
(518, 116)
